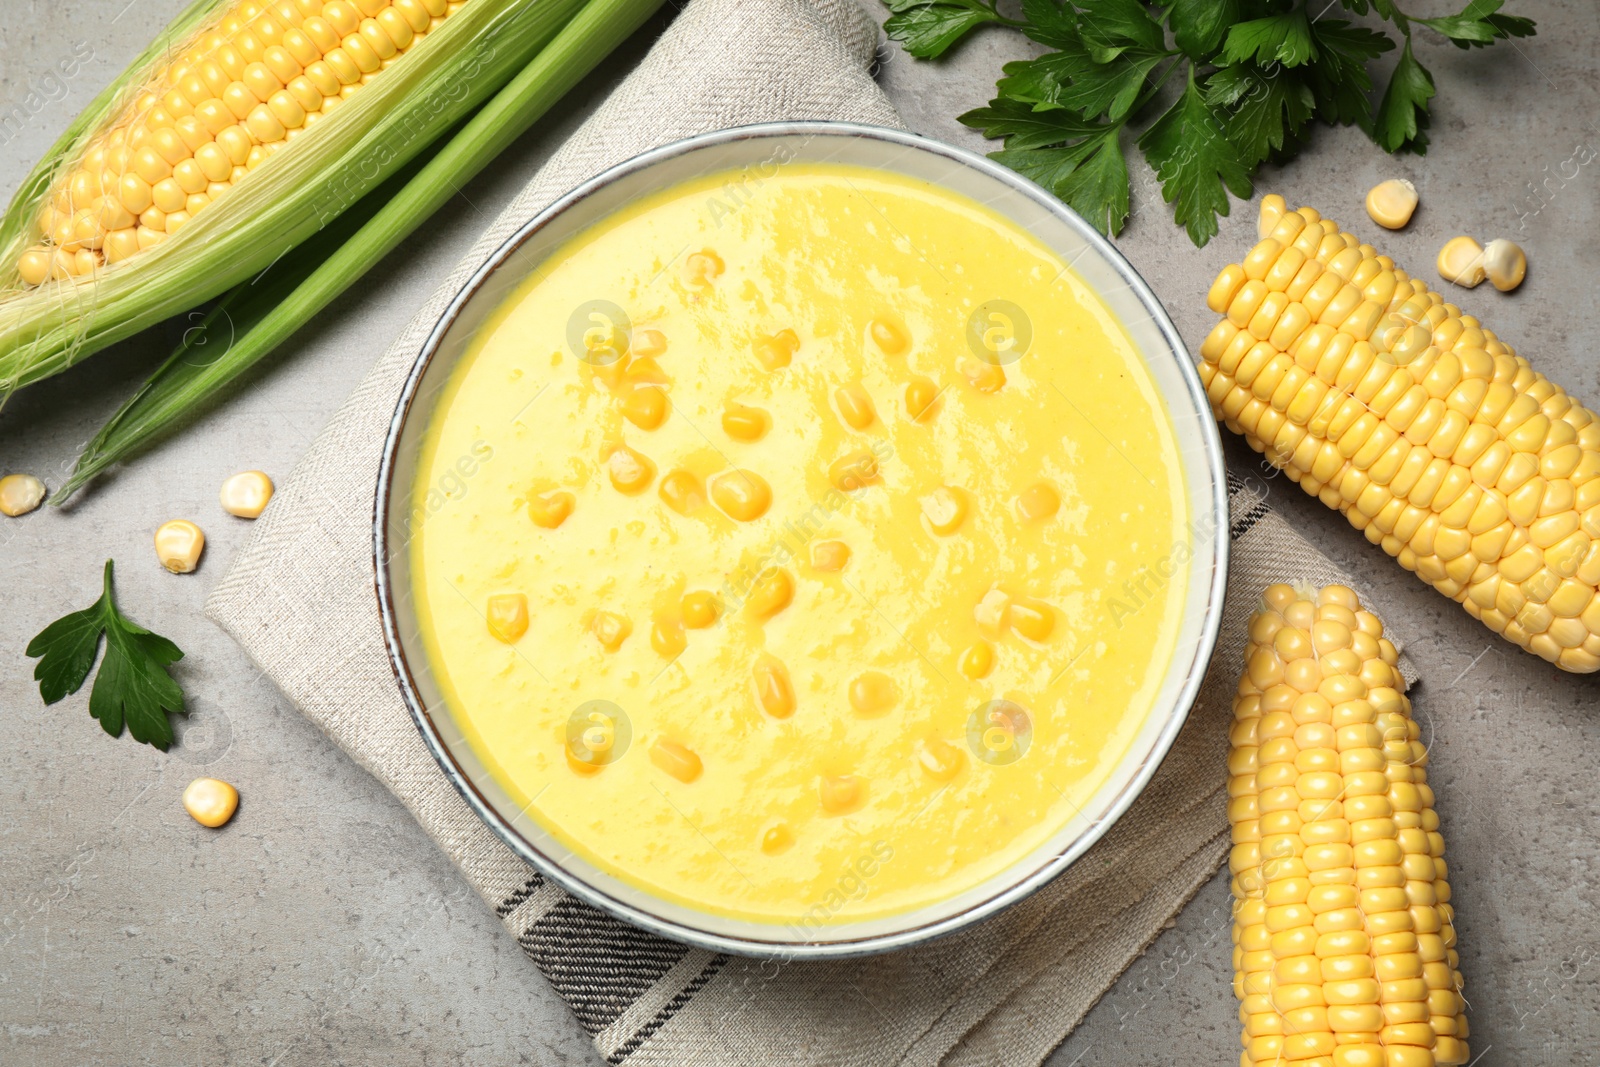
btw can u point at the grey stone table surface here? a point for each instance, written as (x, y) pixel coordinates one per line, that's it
(323, 927)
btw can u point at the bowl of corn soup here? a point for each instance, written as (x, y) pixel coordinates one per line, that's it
(802, 539)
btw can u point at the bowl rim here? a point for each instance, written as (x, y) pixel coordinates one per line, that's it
(1047, 871)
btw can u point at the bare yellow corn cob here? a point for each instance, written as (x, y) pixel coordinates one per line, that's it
(1343, 931)
(1427, 431)
(251, 81)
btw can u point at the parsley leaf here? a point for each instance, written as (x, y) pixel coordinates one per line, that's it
(1226, 87)
(1098, 189)
(1090, 177)
(1199, 25)
(928, 28)
(1384, 8)
(1282, 39)
(1081, 162)
(1107, 27)
(1509, 26)
(1070, 79)
(1258, 73)
(1338, 77)
(1048, 167)
(1051, 23)
(132, 684)
(1402, 119)
(1196, 163)
(1024, 127)
(1268, 112)
(1478, 25)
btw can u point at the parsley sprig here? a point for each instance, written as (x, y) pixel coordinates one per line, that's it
(1254, 74)
(132, 684)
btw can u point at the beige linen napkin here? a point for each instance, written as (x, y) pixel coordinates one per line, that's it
(299, 598)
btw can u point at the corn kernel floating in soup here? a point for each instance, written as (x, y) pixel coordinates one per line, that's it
(815, 563)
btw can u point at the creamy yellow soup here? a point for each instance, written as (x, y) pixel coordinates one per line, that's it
(801, 550)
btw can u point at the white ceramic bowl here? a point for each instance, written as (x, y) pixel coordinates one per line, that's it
(1033, 209)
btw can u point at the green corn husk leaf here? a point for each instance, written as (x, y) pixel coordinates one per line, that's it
(285, 200)
(257, 316)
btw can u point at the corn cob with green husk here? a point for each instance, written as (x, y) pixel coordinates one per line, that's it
(1426, 430)
(240, 132)
(264, 312)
